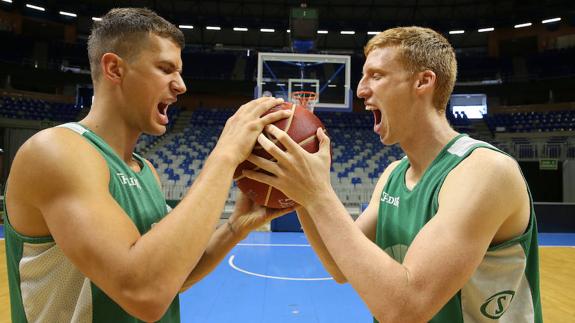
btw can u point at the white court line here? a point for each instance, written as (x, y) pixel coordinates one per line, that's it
(231, 263)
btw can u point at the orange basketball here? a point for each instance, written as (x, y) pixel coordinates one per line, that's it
(301, 126)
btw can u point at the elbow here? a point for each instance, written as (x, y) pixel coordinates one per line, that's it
(145, 300)
(403, 311)
(396, 316)
(340, 279)
(336, 274)
(148, 307)
(150, 313)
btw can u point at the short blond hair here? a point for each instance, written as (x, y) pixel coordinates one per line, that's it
(422, 49)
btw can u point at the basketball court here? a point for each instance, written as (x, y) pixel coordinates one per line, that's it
(276, 277)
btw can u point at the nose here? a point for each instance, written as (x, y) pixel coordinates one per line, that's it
(362, 89)
(178, 86)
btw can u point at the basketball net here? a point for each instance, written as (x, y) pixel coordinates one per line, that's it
(306, 99)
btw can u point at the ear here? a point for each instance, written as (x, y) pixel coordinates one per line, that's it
(425, 81)
(112, 67)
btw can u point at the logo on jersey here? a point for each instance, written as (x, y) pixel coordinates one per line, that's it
(496, 305)
(130, 181)
(391, 200)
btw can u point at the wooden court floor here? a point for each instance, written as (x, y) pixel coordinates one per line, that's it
(557, 284)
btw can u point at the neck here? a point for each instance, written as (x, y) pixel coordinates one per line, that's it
(433, 133)
(105, 120)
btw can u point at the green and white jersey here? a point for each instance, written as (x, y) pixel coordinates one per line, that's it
(505, 286)
(46, 287)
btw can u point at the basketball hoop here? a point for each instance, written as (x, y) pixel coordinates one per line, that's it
(306, 99)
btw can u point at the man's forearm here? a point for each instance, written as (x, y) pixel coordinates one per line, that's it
(182, 237)
(318, 246)
(222, 241)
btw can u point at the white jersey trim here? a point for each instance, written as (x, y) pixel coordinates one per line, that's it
(73, 126)
(464, 144)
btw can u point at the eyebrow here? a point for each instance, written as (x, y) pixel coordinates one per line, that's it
(172, 66)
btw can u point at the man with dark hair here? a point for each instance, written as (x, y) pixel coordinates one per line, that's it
(450, 233)
(88, 233)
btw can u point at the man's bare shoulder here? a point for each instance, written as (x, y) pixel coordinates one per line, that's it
(53, 164)
(488, 160)
(59, 145)
(51, 156)
(488, 175)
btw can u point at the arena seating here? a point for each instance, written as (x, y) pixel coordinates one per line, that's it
(357, 158)
(12, 107)
(532, 121)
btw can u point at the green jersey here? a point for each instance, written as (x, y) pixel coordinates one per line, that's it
(505, 286)
(46, 287)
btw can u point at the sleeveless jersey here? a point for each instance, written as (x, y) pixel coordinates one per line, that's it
(505, 286)
(46, 287)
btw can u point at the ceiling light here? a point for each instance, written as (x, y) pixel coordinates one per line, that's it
(31, 6)
(69, 14)
(527, 24)
(547, 21)
(482, 30)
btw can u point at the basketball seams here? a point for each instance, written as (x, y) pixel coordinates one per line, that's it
(297, 127)
(290, 119)
(268, 194)
(301, 143)
(306, 140)
(286, 129)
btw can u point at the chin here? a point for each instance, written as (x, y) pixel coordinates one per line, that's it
(157, 130)
(386, 140)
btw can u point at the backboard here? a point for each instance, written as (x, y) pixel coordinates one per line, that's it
(328, 76)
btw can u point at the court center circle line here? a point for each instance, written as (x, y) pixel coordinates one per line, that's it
(233, 265)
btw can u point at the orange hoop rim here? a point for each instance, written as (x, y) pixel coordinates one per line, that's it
(305, 98)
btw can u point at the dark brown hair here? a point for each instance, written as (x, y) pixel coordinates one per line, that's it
(124, 32)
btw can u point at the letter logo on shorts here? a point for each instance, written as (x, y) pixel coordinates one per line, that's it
(496, 305)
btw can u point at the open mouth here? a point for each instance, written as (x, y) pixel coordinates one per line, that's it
(377, 120)
(163, 108)
(163, 111)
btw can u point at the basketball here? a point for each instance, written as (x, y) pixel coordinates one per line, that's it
(301, 126)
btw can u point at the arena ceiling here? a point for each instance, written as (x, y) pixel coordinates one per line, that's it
(358, 14)
(334, 16)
